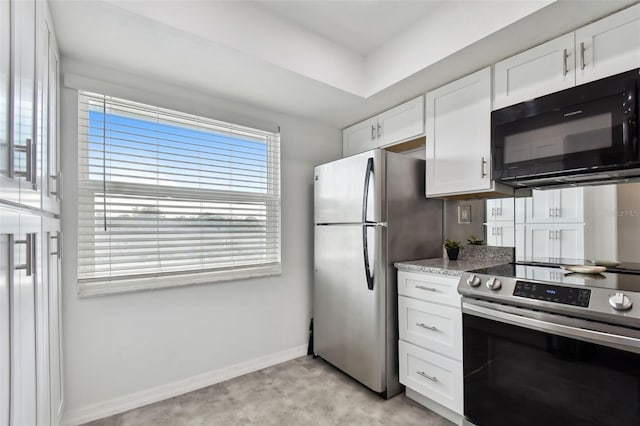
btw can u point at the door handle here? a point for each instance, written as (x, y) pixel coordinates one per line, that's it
(58, 239)
(426, 376)
(428, 327)
(373, 132)
(557, 212)
(482, 172)
(582, 49)
(550, 212)
(59, 185)
(565, 55)
(29, 265)
(379, 130)
(365, 224)
(28, 150)
(550, 234)
(421, 287)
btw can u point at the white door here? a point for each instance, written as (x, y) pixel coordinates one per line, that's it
(25, 148)
(9, 186)
(540, 206)
(569, 205)
(360, 137)
(53, 251)
(458, 151)
(608, 46)
(493, 209)
(539, 241)
(403, 122)
(544, 69)
(570, 241)
(26, 275)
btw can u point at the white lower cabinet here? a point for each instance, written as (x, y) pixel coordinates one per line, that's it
(430, 346)
(555, 240)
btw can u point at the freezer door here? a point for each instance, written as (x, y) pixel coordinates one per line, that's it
(340, 188)
(349, 318)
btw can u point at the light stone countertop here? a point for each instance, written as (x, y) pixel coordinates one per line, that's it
(444, 266)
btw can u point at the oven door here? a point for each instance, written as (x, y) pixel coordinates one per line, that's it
(531, 368)
(583, 129)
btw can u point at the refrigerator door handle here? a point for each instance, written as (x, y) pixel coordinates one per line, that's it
(365, 254)
(365, 192)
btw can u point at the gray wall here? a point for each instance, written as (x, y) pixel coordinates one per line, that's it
(122, 349)
(462, 231)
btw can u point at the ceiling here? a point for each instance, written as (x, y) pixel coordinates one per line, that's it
(336, 62)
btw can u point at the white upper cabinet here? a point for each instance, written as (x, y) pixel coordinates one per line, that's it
(403, 122)
(536, 72)
(608, 46)
(556, 205)
(360, 137)
(398, 124)
(9, 186)
(458, 132)
(604, 48)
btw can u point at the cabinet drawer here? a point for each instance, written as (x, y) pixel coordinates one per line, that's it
(436, 327)
(429, 287)
(432, 375)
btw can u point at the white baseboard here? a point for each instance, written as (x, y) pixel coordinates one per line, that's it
(138, 399)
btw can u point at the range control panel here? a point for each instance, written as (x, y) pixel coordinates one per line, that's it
(551, 293)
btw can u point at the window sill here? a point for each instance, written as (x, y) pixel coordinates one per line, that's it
(105, 288)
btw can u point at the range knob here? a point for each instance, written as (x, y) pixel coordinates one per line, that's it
(494, 284)
(620, 302)
(473, 280)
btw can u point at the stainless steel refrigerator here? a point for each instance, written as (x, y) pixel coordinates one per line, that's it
(370, 211)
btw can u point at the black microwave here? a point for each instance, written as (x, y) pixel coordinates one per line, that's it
(583, 135)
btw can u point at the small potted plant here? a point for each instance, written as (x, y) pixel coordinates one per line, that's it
(473, 241)
(453, 249)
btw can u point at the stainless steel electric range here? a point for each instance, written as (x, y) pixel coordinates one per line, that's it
(543, 346)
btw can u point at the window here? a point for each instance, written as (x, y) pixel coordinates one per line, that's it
(167, 198)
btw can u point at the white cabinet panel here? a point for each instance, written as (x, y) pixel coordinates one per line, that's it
(544, 69)
(428, 287)
(520, 206)
(570, 241)
(570, 205)
(540, 206)
(608, 46)
(360, 137)
(432, 326)
(540, 241)
(9, 186)
(555, 240)
(401, 123)
(432, 375)
(458, 118)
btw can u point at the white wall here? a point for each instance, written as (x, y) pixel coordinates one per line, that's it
(118, 347)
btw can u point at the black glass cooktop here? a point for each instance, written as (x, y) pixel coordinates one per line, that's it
(551, 274)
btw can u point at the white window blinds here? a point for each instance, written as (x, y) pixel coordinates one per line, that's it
(168, 198)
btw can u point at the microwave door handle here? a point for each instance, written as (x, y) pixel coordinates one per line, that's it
(630, 124)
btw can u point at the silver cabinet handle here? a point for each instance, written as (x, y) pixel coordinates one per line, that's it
(582, 49)
(379, 130)
(550, 234)
(34, 165)
(58, 238)
(59, 185)
(550, 212)
(557, 212)
(428, 327)
(482, 172)
(565, 55)
(499, 211)
(28, 150)
(493, 211)
(426, 376)
(558, 234)
(29, 243)
(373, 132)
(421, 287)
(499, 231)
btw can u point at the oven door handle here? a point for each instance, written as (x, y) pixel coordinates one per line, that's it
(624, 343)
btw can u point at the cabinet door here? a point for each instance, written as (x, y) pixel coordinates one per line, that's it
(520, 242)
(360, 137)
(25, 147)
(25, 261)
(570, 241)
(52, 250)
(507, 235)
(52, 178)
(493, 209)
(9, 185)
(569, 205)
(401, 123)
(608, 46)
(539, 241)
(459, 136)
(492, 236)
(544, 69)
(520, 207)
(41, 113)
(540, 206)
(8, 226)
